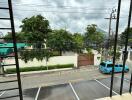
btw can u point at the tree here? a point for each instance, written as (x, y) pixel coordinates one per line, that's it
(60, 40)
(19, 37)
(123, 37)
(36, 29)
(78, 41)
(93, 38)
(29, 55)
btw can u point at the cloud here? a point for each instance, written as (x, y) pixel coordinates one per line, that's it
(74, 15)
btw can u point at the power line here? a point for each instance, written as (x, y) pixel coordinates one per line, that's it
(55, 11)
(66, 7)
(61, 11)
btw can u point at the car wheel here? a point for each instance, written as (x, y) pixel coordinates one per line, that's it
(110, 72)
(126, 70)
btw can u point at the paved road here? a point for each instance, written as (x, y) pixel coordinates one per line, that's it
(35, 80)
(32, 81)
(83, 90)
(73, 85)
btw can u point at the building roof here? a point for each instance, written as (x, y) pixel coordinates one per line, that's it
(7, 51)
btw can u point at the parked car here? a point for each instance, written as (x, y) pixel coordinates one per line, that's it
(106, 67)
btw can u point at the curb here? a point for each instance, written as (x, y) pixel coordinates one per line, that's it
(41, 72)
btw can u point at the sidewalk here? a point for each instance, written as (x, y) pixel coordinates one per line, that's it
(59, 77)
(56, 71)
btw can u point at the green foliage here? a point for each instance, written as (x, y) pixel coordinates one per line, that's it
(117, 54)
(35, 28)
(78, 41)
(93, 38)
(60, 40)
(55, 53)
(123, 37)
(19, 37)
(38, 68)
(89, 50)
(39, 54)
(35, 31)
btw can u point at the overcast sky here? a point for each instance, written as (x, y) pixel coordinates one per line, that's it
(74, 15)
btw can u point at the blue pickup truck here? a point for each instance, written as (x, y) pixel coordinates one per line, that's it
(106, 67)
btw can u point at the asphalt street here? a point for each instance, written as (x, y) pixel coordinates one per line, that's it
(83, 84)
(83, 90)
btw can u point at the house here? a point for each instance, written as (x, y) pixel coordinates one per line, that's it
(129, 56)
(7, 51)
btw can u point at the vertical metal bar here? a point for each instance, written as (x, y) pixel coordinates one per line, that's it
(115, 46)
(15, 48)
(130, 88)
(126, 44)
(110, 24)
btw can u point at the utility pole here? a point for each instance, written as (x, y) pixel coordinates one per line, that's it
(112, 16)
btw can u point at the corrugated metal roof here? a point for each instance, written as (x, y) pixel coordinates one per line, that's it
(7, 51)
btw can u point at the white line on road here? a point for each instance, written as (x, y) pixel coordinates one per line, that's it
(36, 98)
(106, 86)
(124, 78)
(2, 93)
(74, 91)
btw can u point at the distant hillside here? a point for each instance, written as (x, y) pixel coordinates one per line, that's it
(102, 31)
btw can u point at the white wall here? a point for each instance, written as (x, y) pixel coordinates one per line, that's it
(129, 51)
(97, 59)
(128, 59)
(52, 61)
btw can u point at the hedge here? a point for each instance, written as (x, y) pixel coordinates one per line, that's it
(39, 68)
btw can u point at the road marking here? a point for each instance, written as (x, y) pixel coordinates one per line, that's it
(76, 80)
(106, 86)
(124, 78)
(2, 93)
(74, 91)
(36, 98)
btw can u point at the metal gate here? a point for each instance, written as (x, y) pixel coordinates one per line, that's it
(14, 47)
(85, 59)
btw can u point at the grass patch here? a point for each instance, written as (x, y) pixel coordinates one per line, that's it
(39, 68)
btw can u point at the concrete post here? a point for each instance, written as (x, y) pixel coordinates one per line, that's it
(128, 59)
(76, 61)
(121, 56)
(1, 69)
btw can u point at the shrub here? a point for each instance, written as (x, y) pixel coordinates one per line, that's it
(39, 68)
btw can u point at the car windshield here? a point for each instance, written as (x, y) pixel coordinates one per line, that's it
(121, 65)
(102, 64)
(110, 65)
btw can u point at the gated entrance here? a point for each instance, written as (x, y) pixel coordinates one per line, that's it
(85, 59)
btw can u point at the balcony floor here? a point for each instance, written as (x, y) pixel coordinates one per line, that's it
(125, 96)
